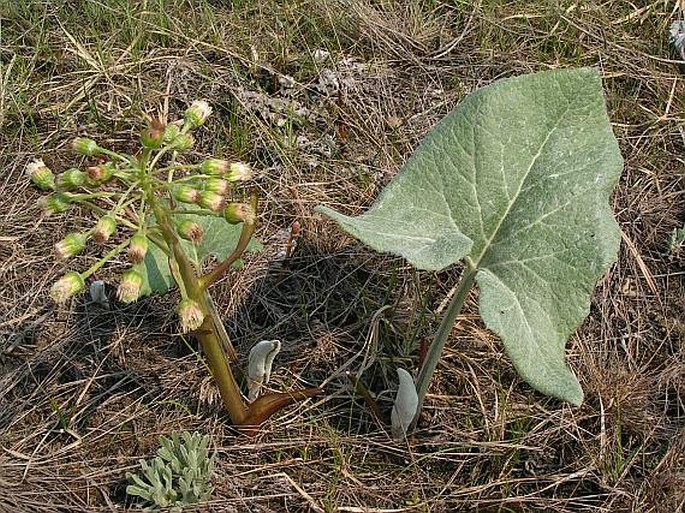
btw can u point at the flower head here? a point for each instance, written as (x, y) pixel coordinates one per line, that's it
(190, 314)
(197, 113)
(66, 287)
(153, 136)
(71, 245)
(236, 213)
(190, 230)
(214, 167)
(100, 174)
(186, 194)
(85, 146)
(170, 132)
(217, 185)
(71, 179)
(104, 228)
(239, 172)
(55, 203)
(137, 249)
(182, 142)
(212, 200)
(40, 175)
(130, 286)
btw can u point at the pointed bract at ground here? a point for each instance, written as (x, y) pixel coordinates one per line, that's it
(260, 362)
(405, 405)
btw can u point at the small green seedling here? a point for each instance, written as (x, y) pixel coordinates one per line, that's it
(179, 476)
(515, 182)
(676, 241)
(170, 215)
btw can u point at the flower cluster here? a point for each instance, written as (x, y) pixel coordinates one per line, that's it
(142, 201)
(212, 185)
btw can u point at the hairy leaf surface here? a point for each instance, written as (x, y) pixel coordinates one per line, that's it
(517, 178)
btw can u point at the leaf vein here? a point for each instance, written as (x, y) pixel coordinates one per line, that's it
(535, 158)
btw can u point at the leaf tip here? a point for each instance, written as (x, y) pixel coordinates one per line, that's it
(575, 395)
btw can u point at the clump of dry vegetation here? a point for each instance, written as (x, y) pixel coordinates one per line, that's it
(328, 99)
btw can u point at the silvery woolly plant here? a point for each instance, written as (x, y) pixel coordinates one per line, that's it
(167, 214)
(180, 475)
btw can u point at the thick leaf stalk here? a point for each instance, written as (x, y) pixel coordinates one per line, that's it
(442, 334)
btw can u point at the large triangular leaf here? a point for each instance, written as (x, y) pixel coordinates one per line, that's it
(517, 178)
(220, 239)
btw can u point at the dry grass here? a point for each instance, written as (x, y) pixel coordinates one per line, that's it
(86, 393)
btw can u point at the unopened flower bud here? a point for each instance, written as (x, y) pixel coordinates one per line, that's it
(214, 167)
(197, 113)
(101, 174)
(170, 132)
(85, 146)
(190, 314)
(185, 194)
(190, 230)
(153, 136)
(71, 245)
(40, 175)
(137, 248)
(130, 286)
(239, 172)
(104, 228)
(217, 185)
(211, 200)
(55, 203)
(71, 179)
(66, 287)
(236, 213)
(182, 142)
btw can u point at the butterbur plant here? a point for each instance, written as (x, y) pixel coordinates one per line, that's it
(515, 183)
(168, 215)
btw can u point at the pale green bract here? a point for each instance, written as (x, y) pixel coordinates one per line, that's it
(517, 178)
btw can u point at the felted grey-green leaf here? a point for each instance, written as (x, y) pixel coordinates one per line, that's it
(517, 177)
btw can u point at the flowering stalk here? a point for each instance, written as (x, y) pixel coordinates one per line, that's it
(206, 332)
(135, 198)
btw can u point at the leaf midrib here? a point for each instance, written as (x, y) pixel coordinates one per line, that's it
(488, 244)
